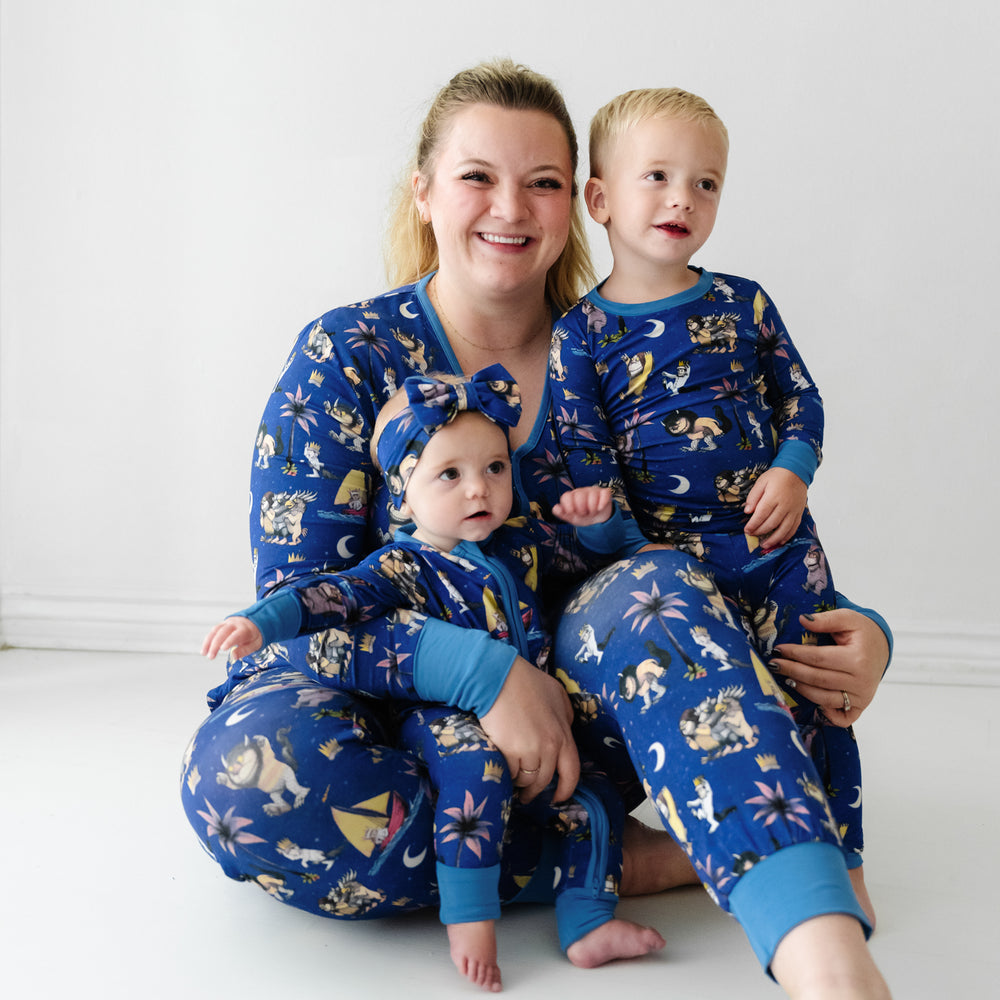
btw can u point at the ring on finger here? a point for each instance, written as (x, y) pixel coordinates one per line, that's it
(847, 702)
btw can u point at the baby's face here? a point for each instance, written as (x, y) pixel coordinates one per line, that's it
(461, 486)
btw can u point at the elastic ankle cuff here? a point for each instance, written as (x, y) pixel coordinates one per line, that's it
(468, 894)
(578, 912)
(788, 888)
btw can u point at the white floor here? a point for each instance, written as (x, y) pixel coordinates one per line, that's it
(106, 890)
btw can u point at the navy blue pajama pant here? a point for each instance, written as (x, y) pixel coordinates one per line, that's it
(474, 800)
(299, 788)
(674, 701)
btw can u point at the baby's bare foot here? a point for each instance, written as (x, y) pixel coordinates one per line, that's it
(615, 939)
(474, 952)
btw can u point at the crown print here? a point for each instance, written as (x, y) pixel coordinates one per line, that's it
(493, 772)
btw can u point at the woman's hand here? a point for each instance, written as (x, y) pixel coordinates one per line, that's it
(825, 674)
(530, 722)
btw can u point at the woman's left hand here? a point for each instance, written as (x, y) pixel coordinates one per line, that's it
(843, 678)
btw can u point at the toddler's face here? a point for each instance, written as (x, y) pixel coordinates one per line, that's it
(660, 194)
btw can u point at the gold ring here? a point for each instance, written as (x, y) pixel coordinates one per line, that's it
(847, 701)
(534, 770)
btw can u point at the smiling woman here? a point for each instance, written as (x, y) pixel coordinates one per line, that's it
(487, 250)
(499, 211)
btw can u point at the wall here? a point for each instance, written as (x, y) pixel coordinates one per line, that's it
(186, 184)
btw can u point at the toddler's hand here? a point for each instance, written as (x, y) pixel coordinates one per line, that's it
(237, 634)
(775, 504)
(584, 506)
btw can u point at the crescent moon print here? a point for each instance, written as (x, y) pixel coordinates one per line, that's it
(404, 310)
(239, 715)
(410, 861)
(661, 755)
(683, 484)
(657, 331)
(343, 550)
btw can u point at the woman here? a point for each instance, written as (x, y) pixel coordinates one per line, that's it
(313, 802)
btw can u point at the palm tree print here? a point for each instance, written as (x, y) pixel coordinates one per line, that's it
(298, 411)
(771, 342)
(571, 423)
(654, 606)
(628, 444)
(552, 466)
(228, 828)
(774, 804)
(467, 826)
(365, 336)
(732, 391)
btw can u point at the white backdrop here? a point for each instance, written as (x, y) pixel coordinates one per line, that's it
(185, 184)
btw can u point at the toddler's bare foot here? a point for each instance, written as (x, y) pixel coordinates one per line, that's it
(615, 939)
(861, 891)
(652, 861)
(474, 952)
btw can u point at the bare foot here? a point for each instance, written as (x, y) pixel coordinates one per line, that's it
(652, 861)
(615, 939)
(861, 891)
(474, 952)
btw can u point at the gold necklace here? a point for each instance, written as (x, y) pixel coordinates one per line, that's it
(450, 328)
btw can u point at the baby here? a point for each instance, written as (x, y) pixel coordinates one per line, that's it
(442, 446)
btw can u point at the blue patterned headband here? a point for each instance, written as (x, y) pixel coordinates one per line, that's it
(433, 404)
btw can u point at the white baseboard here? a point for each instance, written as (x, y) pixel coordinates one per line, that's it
(946, 653)
(109, 624)
(937, 653)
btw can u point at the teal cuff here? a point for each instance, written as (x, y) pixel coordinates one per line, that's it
(797, 457)
(788, 888)
(605, 538)
(468, 894)
(278, 616)
(460, 666)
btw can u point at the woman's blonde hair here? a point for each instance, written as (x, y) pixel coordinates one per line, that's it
(411, 249)
(630, 109)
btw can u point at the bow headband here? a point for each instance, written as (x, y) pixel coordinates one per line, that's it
(434, 403)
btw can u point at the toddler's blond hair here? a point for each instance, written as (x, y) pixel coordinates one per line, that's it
(632, 108)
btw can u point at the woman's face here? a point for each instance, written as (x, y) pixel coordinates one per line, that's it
(499, 198)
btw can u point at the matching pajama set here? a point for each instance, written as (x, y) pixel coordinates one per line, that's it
(682, 404)
(297, 780)
(487, 586)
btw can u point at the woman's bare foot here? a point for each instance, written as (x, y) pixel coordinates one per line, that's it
(861, 891)
(652, 861)
(474, 952)
(615, 939)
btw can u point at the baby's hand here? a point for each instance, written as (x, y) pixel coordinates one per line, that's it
(237, 634)
(584, 506)
(775, 504)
